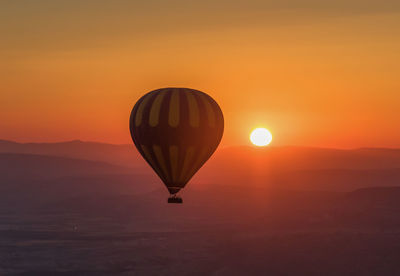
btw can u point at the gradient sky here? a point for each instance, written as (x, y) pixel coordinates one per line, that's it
(316, 73)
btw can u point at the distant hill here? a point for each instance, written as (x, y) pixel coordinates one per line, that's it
(47, 167)
(375, 193)
(27, 178)
(238, 158)
(248, 210)
(303, 168)
(258, 209)
(306, 158)
(37, 183)
(124, 155)
(298, 168)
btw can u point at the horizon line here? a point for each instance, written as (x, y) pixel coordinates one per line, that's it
(222, 147)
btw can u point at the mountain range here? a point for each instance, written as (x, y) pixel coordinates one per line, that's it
(83, 208)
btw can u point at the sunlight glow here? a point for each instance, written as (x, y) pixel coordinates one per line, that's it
(260, 137)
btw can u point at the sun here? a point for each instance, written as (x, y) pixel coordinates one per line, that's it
(261, 137)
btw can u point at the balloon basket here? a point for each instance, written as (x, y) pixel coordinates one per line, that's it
(175, 199)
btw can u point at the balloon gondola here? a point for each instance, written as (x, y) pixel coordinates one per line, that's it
(176, 130)
(175, 199)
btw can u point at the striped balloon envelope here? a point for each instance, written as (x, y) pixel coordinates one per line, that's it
(176, 130)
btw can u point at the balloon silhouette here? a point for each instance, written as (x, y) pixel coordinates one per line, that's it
(176, 130)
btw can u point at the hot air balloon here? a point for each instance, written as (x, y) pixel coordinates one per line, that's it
(176, 130)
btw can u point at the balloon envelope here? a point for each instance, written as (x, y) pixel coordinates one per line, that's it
(176, 130)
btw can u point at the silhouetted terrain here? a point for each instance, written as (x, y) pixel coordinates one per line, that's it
(304, 168)
(271, 158)
(28, 179)
(41, 166)
(124, 155)
(289, 167)
(281, 211)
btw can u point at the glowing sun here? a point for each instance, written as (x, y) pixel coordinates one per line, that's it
(260, 137)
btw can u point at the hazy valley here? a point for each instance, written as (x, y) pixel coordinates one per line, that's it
(80, 208)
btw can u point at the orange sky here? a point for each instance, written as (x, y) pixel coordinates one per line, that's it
(315, 74)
